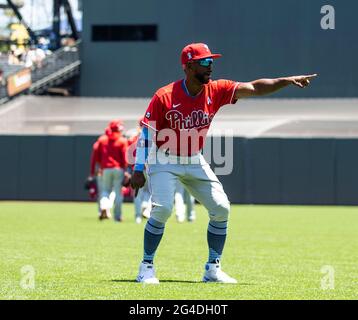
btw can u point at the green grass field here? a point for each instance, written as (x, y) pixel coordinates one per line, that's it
(275, 252)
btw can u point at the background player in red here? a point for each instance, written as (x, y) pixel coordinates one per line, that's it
(177, 120)
(112, 148)
(95, 178)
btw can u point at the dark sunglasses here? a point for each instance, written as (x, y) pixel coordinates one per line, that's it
(206, 62)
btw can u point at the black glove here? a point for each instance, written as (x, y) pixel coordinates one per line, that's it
(90, 182)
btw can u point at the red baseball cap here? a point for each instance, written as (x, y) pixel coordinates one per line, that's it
(197, 51)
(116, 125)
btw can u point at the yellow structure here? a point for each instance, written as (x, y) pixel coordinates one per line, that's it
(19, 35)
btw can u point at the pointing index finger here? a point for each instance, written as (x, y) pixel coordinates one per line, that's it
(311, 76)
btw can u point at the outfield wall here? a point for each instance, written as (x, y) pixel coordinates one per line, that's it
(266, 170)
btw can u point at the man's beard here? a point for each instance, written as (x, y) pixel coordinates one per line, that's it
(201, 78)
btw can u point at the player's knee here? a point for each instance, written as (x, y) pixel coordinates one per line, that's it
(220, 212)
(162, 212)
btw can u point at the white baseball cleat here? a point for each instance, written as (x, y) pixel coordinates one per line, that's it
(180, 218)
(138, 220)
(147, 274)
(213, 273)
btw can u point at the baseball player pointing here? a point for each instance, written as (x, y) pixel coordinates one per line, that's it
(175, 125)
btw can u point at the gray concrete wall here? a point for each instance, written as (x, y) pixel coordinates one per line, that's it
(266, 170)
(257, 38)
(44, 167)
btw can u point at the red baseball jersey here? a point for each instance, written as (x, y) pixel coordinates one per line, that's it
(112, 148)
(182, 121)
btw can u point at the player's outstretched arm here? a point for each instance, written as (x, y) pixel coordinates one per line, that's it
(266, 86)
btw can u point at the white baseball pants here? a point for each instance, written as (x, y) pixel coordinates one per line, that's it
(196, 176)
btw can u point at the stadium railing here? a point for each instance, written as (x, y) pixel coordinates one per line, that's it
(56, 68)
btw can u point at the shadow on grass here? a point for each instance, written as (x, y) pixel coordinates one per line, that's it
(173, 281)
(162, 281)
